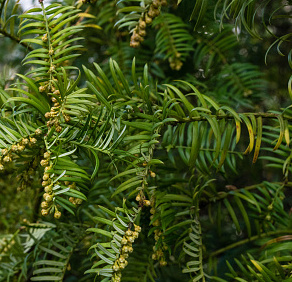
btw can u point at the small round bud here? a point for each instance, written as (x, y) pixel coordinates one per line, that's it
(72, 186)
(48, 189)
(51, 52)
(122, 265)
(57, 214)
(270, 207)
(156, 223)
(268, 217)
(134, 44)
(137, 228)
(14, 148)
(147, 203)
(44, 205)
(52, 68)
(4, 152)
(131, 249)
(121, 259)
(44, 212)
(163, 263)
(129, 232)
(148, 19)
(24, 141)
(138, 198)
(33, 140)
(38, 131)
(135, 234)
(1, 167)
(153, 12)
(125, 249)
(154, 256)
(142, 32)
(47, 168)
(20, 148)
(142, 24)
(58, 129)
(47, 115)
(54, 100)
(47, 155)
(45, 38)
(137, 37)
(45, 183)
(44, 162)
(131, 239)
(72, 200)
(49, 198)
(56, 92)
(42, 88)
(156, 4)
(124, 241)
(152, 174)
(7, 159)
(78, 201)
(116, 267)
(67, 118)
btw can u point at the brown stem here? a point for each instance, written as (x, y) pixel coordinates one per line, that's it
(221, 116)
(253, 238)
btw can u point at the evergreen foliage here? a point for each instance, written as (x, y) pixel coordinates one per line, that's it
(142, 141)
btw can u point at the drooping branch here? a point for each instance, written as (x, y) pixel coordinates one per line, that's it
(245, 241)
(228, 116)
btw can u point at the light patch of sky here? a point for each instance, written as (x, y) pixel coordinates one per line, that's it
(28, 4)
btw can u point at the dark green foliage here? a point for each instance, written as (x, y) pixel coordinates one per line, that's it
(165, 162)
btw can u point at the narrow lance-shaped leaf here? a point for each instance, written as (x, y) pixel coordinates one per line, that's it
(282, 129)
(226, 144)
(259, 139)
(286, 133)
(250, 133)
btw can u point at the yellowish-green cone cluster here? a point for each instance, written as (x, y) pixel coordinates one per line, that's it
(9, 154)
(5, 246)
(54, 115)
(47, 183)
(160, 246)
(175, 62)
(140, 31)
(73, 200)
(126, 242)
(142, 199)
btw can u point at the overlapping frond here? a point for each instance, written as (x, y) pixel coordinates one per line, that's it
(173, 41)
(118, 227)
(54, 253)
(51, 41)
